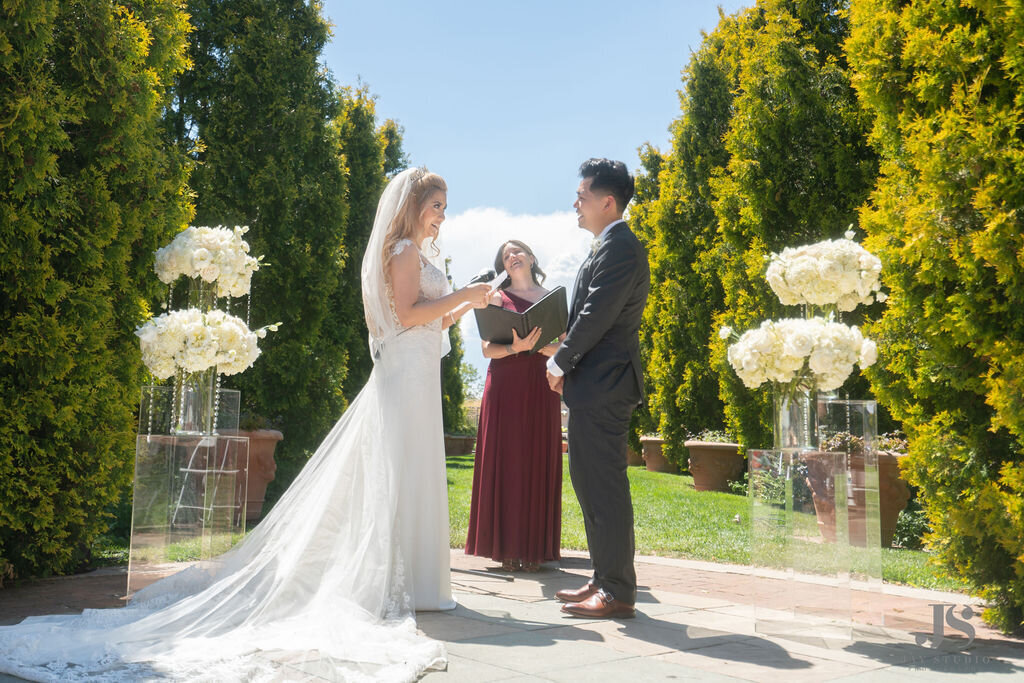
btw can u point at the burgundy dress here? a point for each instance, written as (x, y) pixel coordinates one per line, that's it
(516, 510)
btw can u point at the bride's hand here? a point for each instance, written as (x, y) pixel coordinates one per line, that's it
(476, 294)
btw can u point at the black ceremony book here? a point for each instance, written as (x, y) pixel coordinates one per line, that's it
(550, 314)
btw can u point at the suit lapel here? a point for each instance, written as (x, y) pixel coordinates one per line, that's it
(584, 276)
(577, 292)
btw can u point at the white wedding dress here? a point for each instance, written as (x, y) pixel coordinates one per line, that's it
(325, 585)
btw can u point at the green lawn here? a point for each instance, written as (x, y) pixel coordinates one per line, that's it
(675, 520)
(672, 519)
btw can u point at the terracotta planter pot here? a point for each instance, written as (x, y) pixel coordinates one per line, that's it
(714, 465)
(653, 456)
(633, 459)
(262, 469)
(893, 495)
(565, 446)
(458, 444)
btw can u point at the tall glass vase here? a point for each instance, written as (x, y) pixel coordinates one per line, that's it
(796, 419)
(196, 392)
(197, 402)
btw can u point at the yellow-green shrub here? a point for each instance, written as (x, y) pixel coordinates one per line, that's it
(944, 83)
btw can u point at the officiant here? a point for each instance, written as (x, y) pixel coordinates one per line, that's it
(516, 509)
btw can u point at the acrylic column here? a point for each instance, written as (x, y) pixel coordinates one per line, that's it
(848, 431)
(802, 581)
(191, 471)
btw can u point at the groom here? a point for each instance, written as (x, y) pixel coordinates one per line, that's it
(597, 369)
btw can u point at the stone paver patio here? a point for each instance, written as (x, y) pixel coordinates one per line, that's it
(696, 621)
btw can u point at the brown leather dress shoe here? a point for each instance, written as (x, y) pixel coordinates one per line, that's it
(578, 595)
(600, 605)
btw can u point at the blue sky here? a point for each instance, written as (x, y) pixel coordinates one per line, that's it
(505, 99)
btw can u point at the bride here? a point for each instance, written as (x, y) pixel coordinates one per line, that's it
(327, 584)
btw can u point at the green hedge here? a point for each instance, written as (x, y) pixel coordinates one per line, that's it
(90, 188)
(943, 81)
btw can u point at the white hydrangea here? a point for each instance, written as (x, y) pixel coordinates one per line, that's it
(833, 272)
(189, 340)
(778, 351)
(214, 254)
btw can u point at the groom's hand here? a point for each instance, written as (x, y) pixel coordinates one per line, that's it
(556, 382)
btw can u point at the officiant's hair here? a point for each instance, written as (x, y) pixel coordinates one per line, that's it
(499, 263)
(609, 177)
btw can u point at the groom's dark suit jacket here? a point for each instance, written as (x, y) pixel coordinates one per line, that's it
(601, 352)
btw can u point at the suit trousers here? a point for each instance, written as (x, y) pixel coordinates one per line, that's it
(597, 467)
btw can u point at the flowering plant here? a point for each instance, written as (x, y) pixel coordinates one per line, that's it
(195, 341)
(214, 254)
(838, 273)
(792, 351)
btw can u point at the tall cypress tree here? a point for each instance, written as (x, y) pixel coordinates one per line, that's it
(680, 232)
(90, 188)
(453, 389)
(799, 166)
(259, 108)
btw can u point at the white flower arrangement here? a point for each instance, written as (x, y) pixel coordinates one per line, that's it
(830, 275)
(195, 341)
(790, 350)
(214, 254)
(838, 273)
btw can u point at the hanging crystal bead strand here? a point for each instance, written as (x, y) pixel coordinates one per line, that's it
(149, 421)
(179, 396)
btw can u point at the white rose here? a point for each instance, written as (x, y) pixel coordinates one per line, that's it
(210, 273)
(201, 259)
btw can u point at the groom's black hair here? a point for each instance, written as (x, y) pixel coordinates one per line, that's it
(609, 177)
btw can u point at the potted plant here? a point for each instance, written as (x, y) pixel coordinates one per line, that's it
(459, 444)
(652, 447)
(893, 492)
(715, 460)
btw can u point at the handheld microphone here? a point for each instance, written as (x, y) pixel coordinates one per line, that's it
(485, 275)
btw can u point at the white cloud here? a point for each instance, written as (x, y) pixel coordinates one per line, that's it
(472, 238)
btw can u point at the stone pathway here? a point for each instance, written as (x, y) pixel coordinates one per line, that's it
(696, 621)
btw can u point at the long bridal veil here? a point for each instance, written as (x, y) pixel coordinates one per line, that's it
(317, 589)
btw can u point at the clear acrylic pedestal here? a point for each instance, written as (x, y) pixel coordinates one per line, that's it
(189, 491)
(799, 545)
(815, 530)
(851, 428)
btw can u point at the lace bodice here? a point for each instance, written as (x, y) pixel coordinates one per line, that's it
(433, 283)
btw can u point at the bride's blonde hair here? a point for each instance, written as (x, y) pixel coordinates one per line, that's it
(404, 225)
